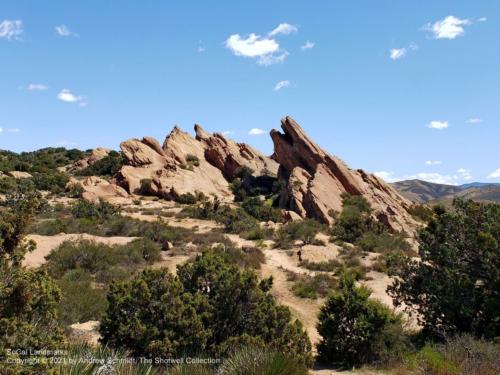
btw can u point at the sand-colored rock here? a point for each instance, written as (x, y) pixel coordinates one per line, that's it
(95, 189)
(18, 174)
(179, 167)
(228, 155)
(317, 180)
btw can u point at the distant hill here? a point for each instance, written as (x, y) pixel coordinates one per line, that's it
(428, 192)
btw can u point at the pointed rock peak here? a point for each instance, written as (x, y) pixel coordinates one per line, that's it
(200, 132)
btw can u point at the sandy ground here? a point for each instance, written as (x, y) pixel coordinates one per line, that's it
(201, 226)
(171, 262)
(45, 244)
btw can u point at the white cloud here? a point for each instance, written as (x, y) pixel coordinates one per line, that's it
(256, 131)
(448, 28)
(265, 50)
(494, 174)
(11, 29)
(201, 49)
(66, 96)
(308, 45)
(440, 125)
(37, 87)
(13, 130)
(1, 130)
(252, 46)
(397, 53)
(284, 28)
(447, 179)
(474, 121)
(62, 30)
(433, 162)
(228, 132)
(482, 19)
(281, 85)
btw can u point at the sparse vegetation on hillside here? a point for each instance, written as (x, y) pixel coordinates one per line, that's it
(303, 230)
(45, 160)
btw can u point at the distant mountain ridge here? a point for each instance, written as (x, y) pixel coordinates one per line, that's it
(428, 192)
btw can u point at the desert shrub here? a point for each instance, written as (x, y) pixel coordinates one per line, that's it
(107, 166)
(355, 219)
(421, 212)
(303, 230)
(262, 211)
(246, 257)
(261, 360)
(144, 188)
(80, 300)
(187, 198)
(193, 160)
(357, 330)
(28, 298)
(97, 259)
(454, 287)
(207, 305)
(383, 242)
(52, 181)
(305, 286)
(328, 266)
(88, 210)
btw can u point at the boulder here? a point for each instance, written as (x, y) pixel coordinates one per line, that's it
(316, 181)
(86, 333)
(95, 189)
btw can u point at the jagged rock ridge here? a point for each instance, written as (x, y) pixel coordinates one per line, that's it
(316, 181)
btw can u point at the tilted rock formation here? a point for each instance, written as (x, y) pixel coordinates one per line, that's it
(177, 168)
(317, 180)
(228, 155)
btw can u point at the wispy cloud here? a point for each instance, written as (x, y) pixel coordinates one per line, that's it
(307, 45)
(460, 176)
(264, 49)
(228, 132)
(283, 28)
(398, 53)
(448, 28)
(67, 96)
(37, 87)
(474, 120)
(11, 29)
(482, 19)
(433, 162)
(256, 131)
(494, 174)
(281, 85)
(440, 125)
(62, 30)
(13, 130)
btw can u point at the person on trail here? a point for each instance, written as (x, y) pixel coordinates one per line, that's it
(299, 254)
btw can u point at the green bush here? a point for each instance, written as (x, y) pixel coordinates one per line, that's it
(193, 160)
(88, 210)
(454, 285)
(261, 210)
(187, 198)
(52, 181)
(357, 330)
(383, 242)
(312, 287)
(421, 212)
(107, 166)
(303, 230)
(209, 304)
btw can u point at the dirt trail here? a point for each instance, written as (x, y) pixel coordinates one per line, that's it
(45, 244)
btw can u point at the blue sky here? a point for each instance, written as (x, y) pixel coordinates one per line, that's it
(405, 89)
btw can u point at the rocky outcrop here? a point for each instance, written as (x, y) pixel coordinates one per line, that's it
(169, 171)
(227, 155)
(95, 155)
(95, 189)
(316, 181)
